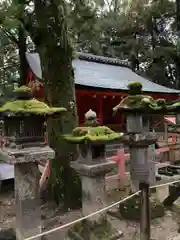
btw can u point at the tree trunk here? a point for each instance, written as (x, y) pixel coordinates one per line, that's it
(178, 16)
(116, 5)
(56, 55)
(24, 67)
(178, 44)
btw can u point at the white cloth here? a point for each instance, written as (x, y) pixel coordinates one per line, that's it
(34, 63)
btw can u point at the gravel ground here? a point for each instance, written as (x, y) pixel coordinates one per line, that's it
(165, 228)
(161, 229)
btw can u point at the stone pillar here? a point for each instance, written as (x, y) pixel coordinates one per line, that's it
(27, 196)
(141, 156)
(177, 118)
(139, 141)
(93, 184)
(27, 200)
(93, 199)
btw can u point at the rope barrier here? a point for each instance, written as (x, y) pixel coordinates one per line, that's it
(97, 212)
(83, 218)
(165, 184)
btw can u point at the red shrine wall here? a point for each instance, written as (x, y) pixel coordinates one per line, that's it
(103, 102)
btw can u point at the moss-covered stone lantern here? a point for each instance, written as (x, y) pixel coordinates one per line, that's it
(24, 118)
(92, 167)
(92, 139)
(138, 137)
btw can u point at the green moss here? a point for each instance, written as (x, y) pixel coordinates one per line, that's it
(161, 102)
(22, 89)
(31, 106)
(135, 88)
(140, 103)
(175, 107)
(92, 134)
(131, 208)
(86, 230)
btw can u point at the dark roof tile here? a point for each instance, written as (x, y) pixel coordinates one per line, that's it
(103, 60)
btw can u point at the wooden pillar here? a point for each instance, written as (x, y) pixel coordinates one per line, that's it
(122, 119)
(100, 112)
(166, 132)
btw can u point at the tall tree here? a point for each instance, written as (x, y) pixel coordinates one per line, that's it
(46, 22)
(50, 34)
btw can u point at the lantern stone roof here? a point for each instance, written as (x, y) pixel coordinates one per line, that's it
(103, 73)
(25, 104)
(138, 102)
(92, 134)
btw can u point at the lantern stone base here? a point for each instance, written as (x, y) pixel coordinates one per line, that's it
(87, 230)
(130, 209)
(27, 200)
(97, 227)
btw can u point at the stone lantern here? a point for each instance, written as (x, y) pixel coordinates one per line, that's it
(92, 167)
(137, 108)
(25, 145)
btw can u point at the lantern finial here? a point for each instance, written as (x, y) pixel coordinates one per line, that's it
(91, 119)
(90, 114)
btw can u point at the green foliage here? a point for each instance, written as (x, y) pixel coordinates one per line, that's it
(92, 134)
(143, 32)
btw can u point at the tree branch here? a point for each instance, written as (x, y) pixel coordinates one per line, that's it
(9, 35)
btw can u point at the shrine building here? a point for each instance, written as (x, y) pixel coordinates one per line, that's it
(101, 83)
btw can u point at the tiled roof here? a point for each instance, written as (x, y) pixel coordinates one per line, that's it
(102, 72)
(110, 73)
(104, 60)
